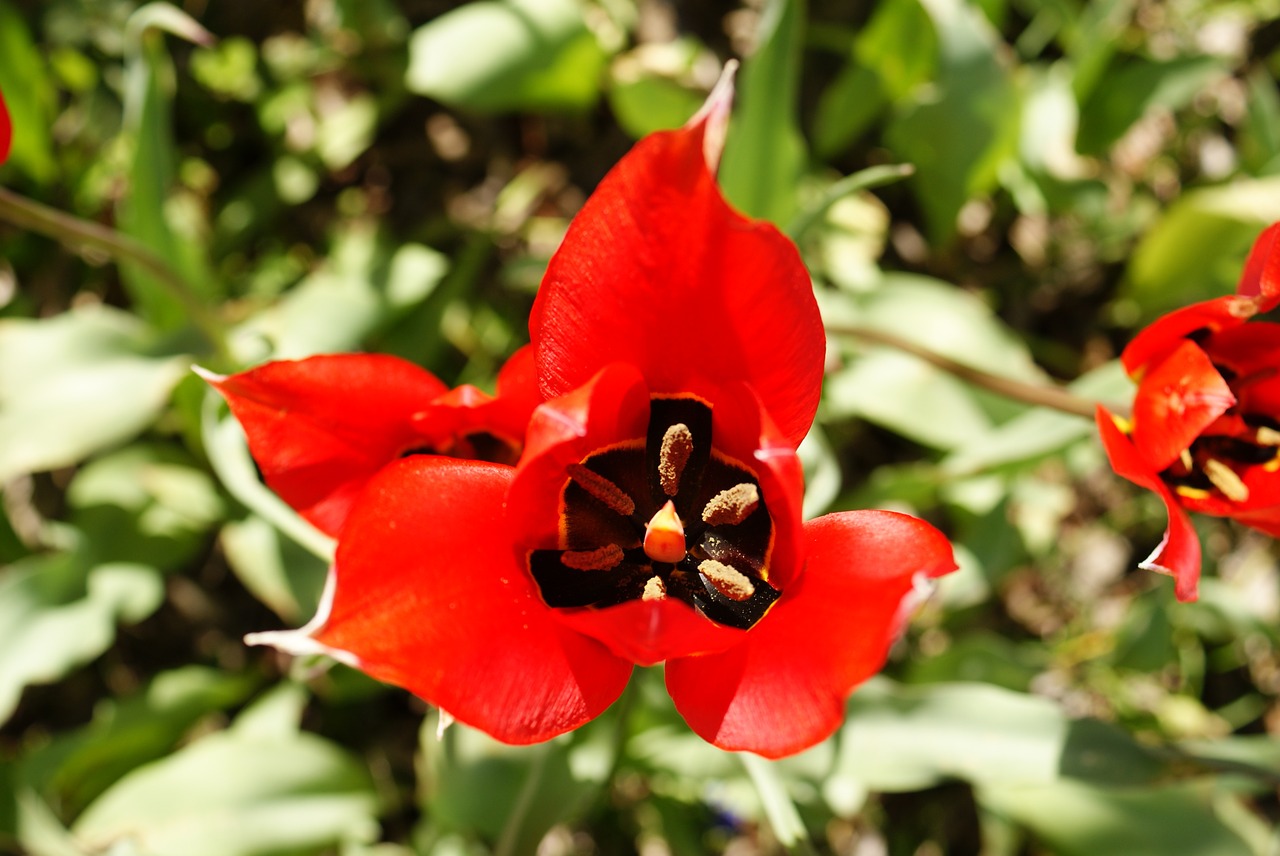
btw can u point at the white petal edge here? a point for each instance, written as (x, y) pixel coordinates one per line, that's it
(301, 642)
(715, 112)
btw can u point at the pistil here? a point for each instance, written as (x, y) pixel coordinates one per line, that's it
(664, 536)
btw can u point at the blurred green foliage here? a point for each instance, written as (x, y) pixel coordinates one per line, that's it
(342, 174)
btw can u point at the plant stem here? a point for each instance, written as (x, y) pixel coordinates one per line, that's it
(1041, 395)
(874, 176)
(76, 232)
(511, 830)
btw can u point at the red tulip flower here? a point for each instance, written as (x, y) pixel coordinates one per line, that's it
(654, 515)
(1205, 429)
(322, 427)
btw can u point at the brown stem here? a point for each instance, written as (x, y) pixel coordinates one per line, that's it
(75, 232)
(1041, 395)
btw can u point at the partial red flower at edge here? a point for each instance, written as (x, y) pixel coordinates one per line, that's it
(655, 513)
(319, 428)
(6, 130)
(1205, 429)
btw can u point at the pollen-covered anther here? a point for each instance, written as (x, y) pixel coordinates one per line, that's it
(1185, 457)
(1226, 480)
(1268, 436)
(729, 581)
(604, 558)
(664, 536)
(602, 489)
(654, 589)
(677, 445)
(732, 506)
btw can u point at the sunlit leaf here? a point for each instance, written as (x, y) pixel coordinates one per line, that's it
(58, 612)
(76, 383)
(498, 55)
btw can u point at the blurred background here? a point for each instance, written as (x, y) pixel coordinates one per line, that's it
(224, 183)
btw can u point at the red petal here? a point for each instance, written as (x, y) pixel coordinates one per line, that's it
(430, 597)
(1160, 338)
(1176, 400)
(1261, 277)
(783, 689)
(658, 271)
(1179, 553)
(319, 428)
(6, 130)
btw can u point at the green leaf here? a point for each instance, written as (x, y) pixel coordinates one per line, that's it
(1134, 88)
(76, 383)
(1076, 819)
(58, 612)
(236, 793)
(650, 102)
(1197, 249)
(28, 95)
(77, 767)
(498, 55)
(960, 130)
(278, 572)
(145, 213)
(906, 738)
(764, 154)
(145, 504)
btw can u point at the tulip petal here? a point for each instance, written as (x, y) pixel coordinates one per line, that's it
(658, 271)
(783, 688)
(1176, 401)
(430, 597)
(1261, 277)
(319, 428)
(1178, 554)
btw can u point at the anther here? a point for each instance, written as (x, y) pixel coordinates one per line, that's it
(1268, 436)
(654, 589)
(602, 489)
(604, 558)
(731, 506)
(728, 580)
(664, 536)
(677, 445)
(1226, 480)
(1185, 457)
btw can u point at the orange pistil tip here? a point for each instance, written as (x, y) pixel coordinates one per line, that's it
(664, 536)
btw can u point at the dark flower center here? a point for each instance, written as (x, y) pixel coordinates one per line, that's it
(666, 515)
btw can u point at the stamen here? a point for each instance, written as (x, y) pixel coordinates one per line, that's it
(1191, 492)
(1226, 480)
(677, 445)
(602, 489)
(1185, 457)
(664, 536)
(731, 506)
(654, 589)
(729, 581)
(605, 558)
(1268, 436)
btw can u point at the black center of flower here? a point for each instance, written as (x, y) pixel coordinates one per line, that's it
(666, 515)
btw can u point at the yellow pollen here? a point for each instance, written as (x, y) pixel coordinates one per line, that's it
(731, 506)
(1191, 492)
(1185, 457)
(654, 589)
(1268, 436)
(677, 445)
(605, 558)
(729, 581)
(664, 536)
(1226, 480)
(602, 489)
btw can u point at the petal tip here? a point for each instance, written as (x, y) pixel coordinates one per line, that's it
(714, 115)
(210, 377)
